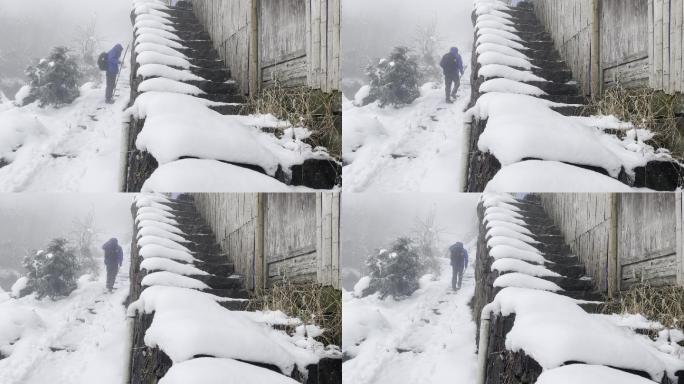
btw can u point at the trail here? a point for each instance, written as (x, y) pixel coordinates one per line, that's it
(428, 338)
(82, 340)
(416, 149)
(78, 149)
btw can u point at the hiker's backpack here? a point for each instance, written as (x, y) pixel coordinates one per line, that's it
(458, 256)
(102, 61)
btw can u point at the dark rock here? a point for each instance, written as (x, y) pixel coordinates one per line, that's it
(327, 371)
(663, 176)
(317, 174)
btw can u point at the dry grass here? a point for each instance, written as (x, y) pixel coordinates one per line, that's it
(663, 304)
(310, 302)
(302, 106)
(644, 108)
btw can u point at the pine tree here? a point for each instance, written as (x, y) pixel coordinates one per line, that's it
(394, 80)
(395, 272)
(54, 80)
(52, 272)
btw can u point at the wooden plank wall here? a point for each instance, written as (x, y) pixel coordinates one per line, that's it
(641, 40)
(647, 239)
(299, 40)
(290, 237)
(228, 23)
(649, 228)
(584, 220)
(232, 216)
(569, 23)
(300, 234)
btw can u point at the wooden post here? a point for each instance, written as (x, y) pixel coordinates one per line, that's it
(260, 270)
(254, 48)
(679, 227)
(613, 270)
(596, 71)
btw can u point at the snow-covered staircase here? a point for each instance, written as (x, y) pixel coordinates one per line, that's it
(188, 126)
(543, 308)
(189, 309)
(527, 112)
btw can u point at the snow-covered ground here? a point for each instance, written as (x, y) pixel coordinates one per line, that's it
(80, 339)
(427, 338)
(416, 148)
(73, 148)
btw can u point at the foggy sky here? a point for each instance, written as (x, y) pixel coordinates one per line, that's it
(372, 221)
(29, 28)
(371, 28)
(31, 220)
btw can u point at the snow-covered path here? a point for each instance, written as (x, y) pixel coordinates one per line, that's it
(428, 338)
(78, 148)
(412, 149)
(83, 338)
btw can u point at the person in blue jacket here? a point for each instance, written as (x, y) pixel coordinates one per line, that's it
(113, 57)
(113, 260)
(452, 66)
(459, 263)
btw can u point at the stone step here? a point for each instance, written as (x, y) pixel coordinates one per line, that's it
(572, 111)
(583, 295)
(231, 109)
(220, 282)
(221, 269)
(235, 305)
(566, 99)
(215, 87)
(224, 98)
(199, 45)
(193, 35)
(556, 88)
(212, 74)
(234, 293)
(571, 284)
(575, 271)
(208, 63)
(592, 307)
(556, 75)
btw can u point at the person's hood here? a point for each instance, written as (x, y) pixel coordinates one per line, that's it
(453, 51)
(118, 49)
(111, 242)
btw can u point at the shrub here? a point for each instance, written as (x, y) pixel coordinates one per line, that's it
(54, 80)
(52, 272)
(394, 80)
(395, 272)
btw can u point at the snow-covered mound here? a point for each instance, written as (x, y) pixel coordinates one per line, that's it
(416, 148)
(73, 148)
(426, 338)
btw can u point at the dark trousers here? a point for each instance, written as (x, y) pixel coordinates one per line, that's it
(452, 84)
(112, 271)
(456, 278)
(109, 92)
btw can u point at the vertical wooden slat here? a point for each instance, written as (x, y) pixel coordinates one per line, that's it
(319, 236)
(324, 43)
(658, 43)
(680, 239)
(309, 48)
(651, 46)
(335, 257)
(677, 13)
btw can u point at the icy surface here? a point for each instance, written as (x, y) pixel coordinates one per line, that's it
(221, 371)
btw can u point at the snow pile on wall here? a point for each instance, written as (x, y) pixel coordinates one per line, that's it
(521, 126)
(553, 329)
(187, 321)
(179, 124)
(14, 321)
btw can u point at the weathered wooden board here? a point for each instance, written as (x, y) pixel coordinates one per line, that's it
(646, 234)
(287, 30)
(640, 39)
(300, 234)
